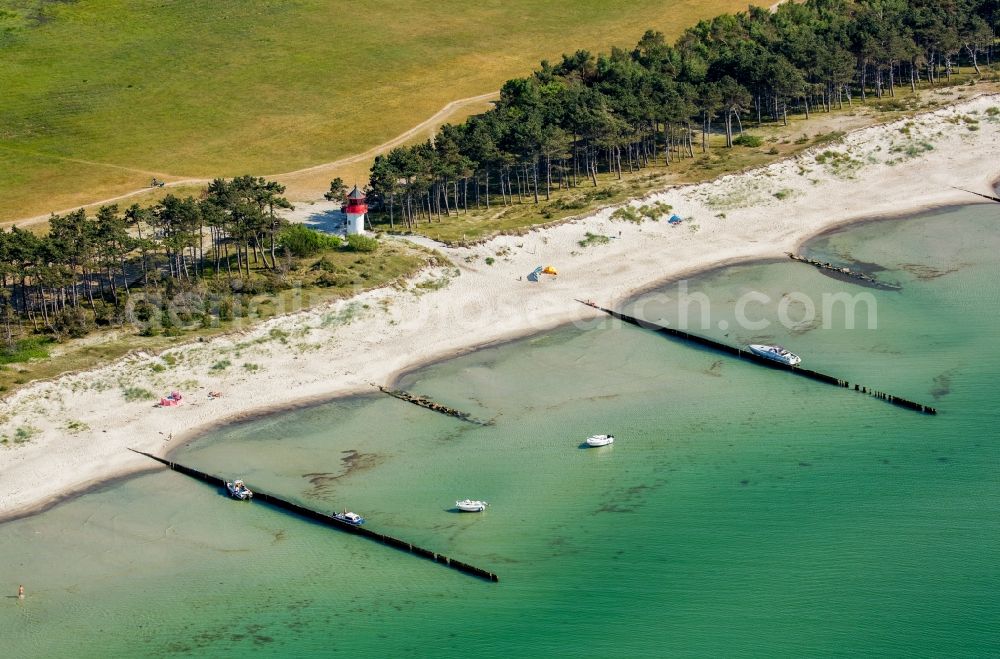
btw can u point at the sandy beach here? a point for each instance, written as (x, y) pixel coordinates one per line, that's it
(81, 424)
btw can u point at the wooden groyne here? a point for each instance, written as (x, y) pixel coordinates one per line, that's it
(427, 403)
(846, 272)
(746, 354)
(329, 520)
(979, 194)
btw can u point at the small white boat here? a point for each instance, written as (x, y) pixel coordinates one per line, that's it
(470, 506)
(238, 490)
(349, 517)
(775, 353)
(600, 440)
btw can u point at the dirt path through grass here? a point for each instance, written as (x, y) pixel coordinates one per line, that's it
(433, 122)
(302, 179)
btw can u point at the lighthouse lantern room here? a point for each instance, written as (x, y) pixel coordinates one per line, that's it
(356, 208)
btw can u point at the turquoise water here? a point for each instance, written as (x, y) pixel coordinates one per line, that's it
(741, 511)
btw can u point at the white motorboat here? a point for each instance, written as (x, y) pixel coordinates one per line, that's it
(349, 517)
(600, 440)
(238, 490)
(470, 506)
(775, 353)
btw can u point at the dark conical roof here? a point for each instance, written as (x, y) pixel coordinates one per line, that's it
(356, 194)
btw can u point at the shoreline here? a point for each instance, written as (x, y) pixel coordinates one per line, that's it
(392, 381)
(480, 307)
(890, 217)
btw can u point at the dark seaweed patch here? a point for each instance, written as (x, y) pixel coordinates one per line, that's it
(926, 272)
(352, 461)
(715, 370)
(613, 508)
(802, 328)
(942, 385)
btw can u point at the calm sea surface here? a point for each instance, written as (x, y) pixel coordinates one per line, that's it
(741, 511)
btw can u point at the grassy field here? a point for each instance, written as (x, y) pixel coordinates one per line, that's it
(100, 96)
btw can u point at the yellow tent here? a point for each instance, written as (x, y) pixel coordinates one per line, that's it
(549, 270)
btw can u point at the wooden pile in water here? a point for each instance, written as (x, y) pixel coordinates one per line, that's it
(427, 403)
(847, 272)
(330, 520)
(747, 354)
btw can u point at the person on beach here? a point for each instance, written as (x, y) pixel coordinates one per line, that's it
(20, 592)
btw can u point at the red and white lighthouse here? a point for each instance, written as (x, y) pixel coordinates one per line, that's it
(356, 208)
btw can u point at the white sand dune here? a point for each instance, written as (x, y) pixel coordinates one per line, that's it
(326, 352)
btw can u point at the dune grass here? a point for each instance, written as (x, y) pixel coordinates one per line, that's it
(776, 141)
(330, 275)
(99, 97)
